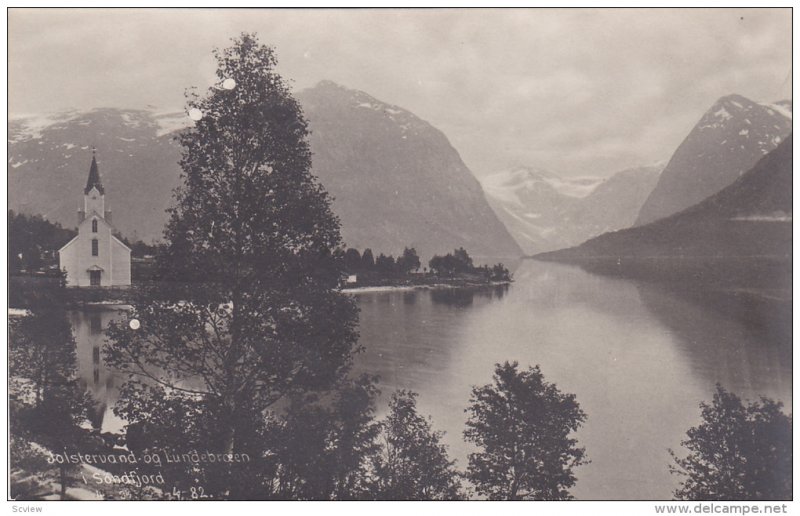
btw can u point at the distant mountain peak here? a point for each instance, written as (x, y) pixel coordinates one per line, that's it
(396, 180)
(546, 211)
(32, 126)
(725, 109)
(730, 137)
(327, 83)
(354, 98)
(783, 107)
(736, 100)
(524, 178)
(750, 218)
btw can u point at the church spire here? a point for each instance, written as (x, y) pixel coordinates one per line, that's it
(94, 176)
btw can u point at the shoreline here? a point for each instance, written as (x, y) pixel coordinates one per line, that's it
(119, 304)
(426, 286)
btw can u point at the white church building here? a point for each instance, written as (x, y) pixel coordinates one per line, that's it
(95, 258)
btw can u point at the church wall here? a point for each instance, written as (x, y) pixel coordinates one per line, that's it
(67, 260)
(81, 249)
(121, 263)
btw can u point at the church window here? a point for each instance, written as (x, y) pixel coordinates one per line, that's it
(94, 225)
(95, 248)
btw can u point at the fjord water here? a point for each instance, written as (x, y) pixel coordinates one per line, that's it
(638, 357)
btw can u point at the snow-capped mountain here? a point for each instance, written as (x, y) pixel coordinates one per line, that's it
(751, 218)
(49, 159)
(396, 180)
(514, 185)
(544, 211)
(727, 141)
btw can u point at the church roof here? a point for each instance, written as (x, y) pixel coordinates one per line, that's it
(94, 178)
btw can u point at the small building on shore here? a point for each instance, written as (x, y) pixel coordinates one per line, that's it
(95, 258)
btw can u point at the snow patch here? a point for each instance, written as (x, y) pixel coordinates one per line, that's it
(775, 217)
(744, 132)
(575, 186)
(507, 185)
(170, 122)
(31, 127)
(129, 120)
(783, 110)
(723, 114)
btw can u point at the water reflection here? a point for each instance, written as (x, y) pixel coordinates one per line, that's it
(750, 348)
(88, 326)
(639, 358)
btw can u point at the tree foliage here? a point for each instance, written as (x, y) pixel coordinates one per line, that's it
(49, 401)
(409, 261)
(522, 426)
(737, 452)
(322, 448)
(33, 241)
(367, 260)
(385, 264)
(412, 463)
(252, 263)
(352, 260)
(499, 272)
(459, 261)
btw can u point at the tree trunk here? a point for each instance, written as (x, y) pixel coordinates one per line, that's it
(228, 442)
(62, 469)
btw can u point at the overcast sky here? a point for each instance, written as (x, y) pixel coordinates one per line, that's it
(576, 91)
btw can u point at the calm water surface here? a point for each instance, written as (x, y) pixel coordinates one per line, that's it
(638, 358)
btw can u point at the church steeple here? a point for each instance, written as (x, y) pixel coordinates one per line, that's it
(94, 176)
(94, 195)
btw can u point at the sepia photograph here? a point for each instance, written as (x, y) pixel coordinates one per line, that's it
(400, 254)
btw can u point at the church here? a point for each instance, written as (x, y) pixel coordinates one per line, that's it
(95, 258)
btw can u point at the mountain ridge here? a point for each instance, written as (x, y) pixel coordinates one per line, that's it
(49, 159)
(544, 211)
(730, 137)
(751, 217)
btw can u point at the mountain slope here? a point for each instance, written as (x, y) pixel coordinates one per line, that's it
(750, 218)
(531, 205)
(727, 141)
(396, 180)
(615, 203)
(138, 160)
(545, 212)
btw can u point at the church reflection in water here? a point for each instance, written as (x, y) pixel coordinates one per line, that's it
(88, 327)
